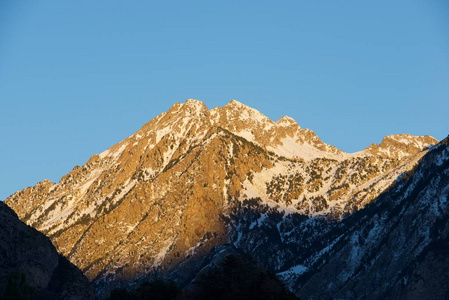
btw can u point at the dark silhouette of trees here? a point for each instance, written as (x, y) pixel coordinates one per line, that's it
(238, 277)
(17, 288)
(235, 276)
(157, 290)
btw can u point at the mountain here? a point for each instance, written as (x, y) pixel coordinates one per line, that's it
(31, 267)
(188, 180)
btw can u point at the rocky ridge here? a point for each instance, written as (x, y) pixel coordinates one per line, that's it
(167, 193)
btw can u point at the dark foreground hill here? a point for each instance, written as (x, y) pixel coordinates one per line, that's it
(30, 267)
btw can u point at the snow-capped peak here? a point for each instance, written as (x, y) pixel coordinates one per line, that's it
(286, 121)
(401, 145)
(195, 103)
(194, 106)
(237, 110)
(234, 102)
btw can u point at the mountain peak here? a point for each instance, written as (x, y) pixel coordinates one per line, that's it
(408, 139)
(189, 104)
(237, 110)
(236, 103)
(286, 121)
(402, 145)
(195, 105)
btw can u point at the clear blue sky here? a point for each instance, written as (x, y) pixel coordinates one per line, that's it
(78, 76)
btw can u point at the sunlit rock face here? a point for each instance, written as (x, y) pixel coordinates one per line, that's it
(167, 194)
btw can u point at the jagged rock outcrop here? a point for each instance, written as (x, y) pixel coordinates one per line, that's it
(30, 267)
(167, 193)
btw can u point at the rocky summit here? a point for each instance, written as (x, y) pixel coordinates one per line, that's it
(193, 179)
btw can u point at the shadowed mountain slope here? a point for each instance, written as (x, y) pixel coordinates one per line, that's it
(30, 267)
